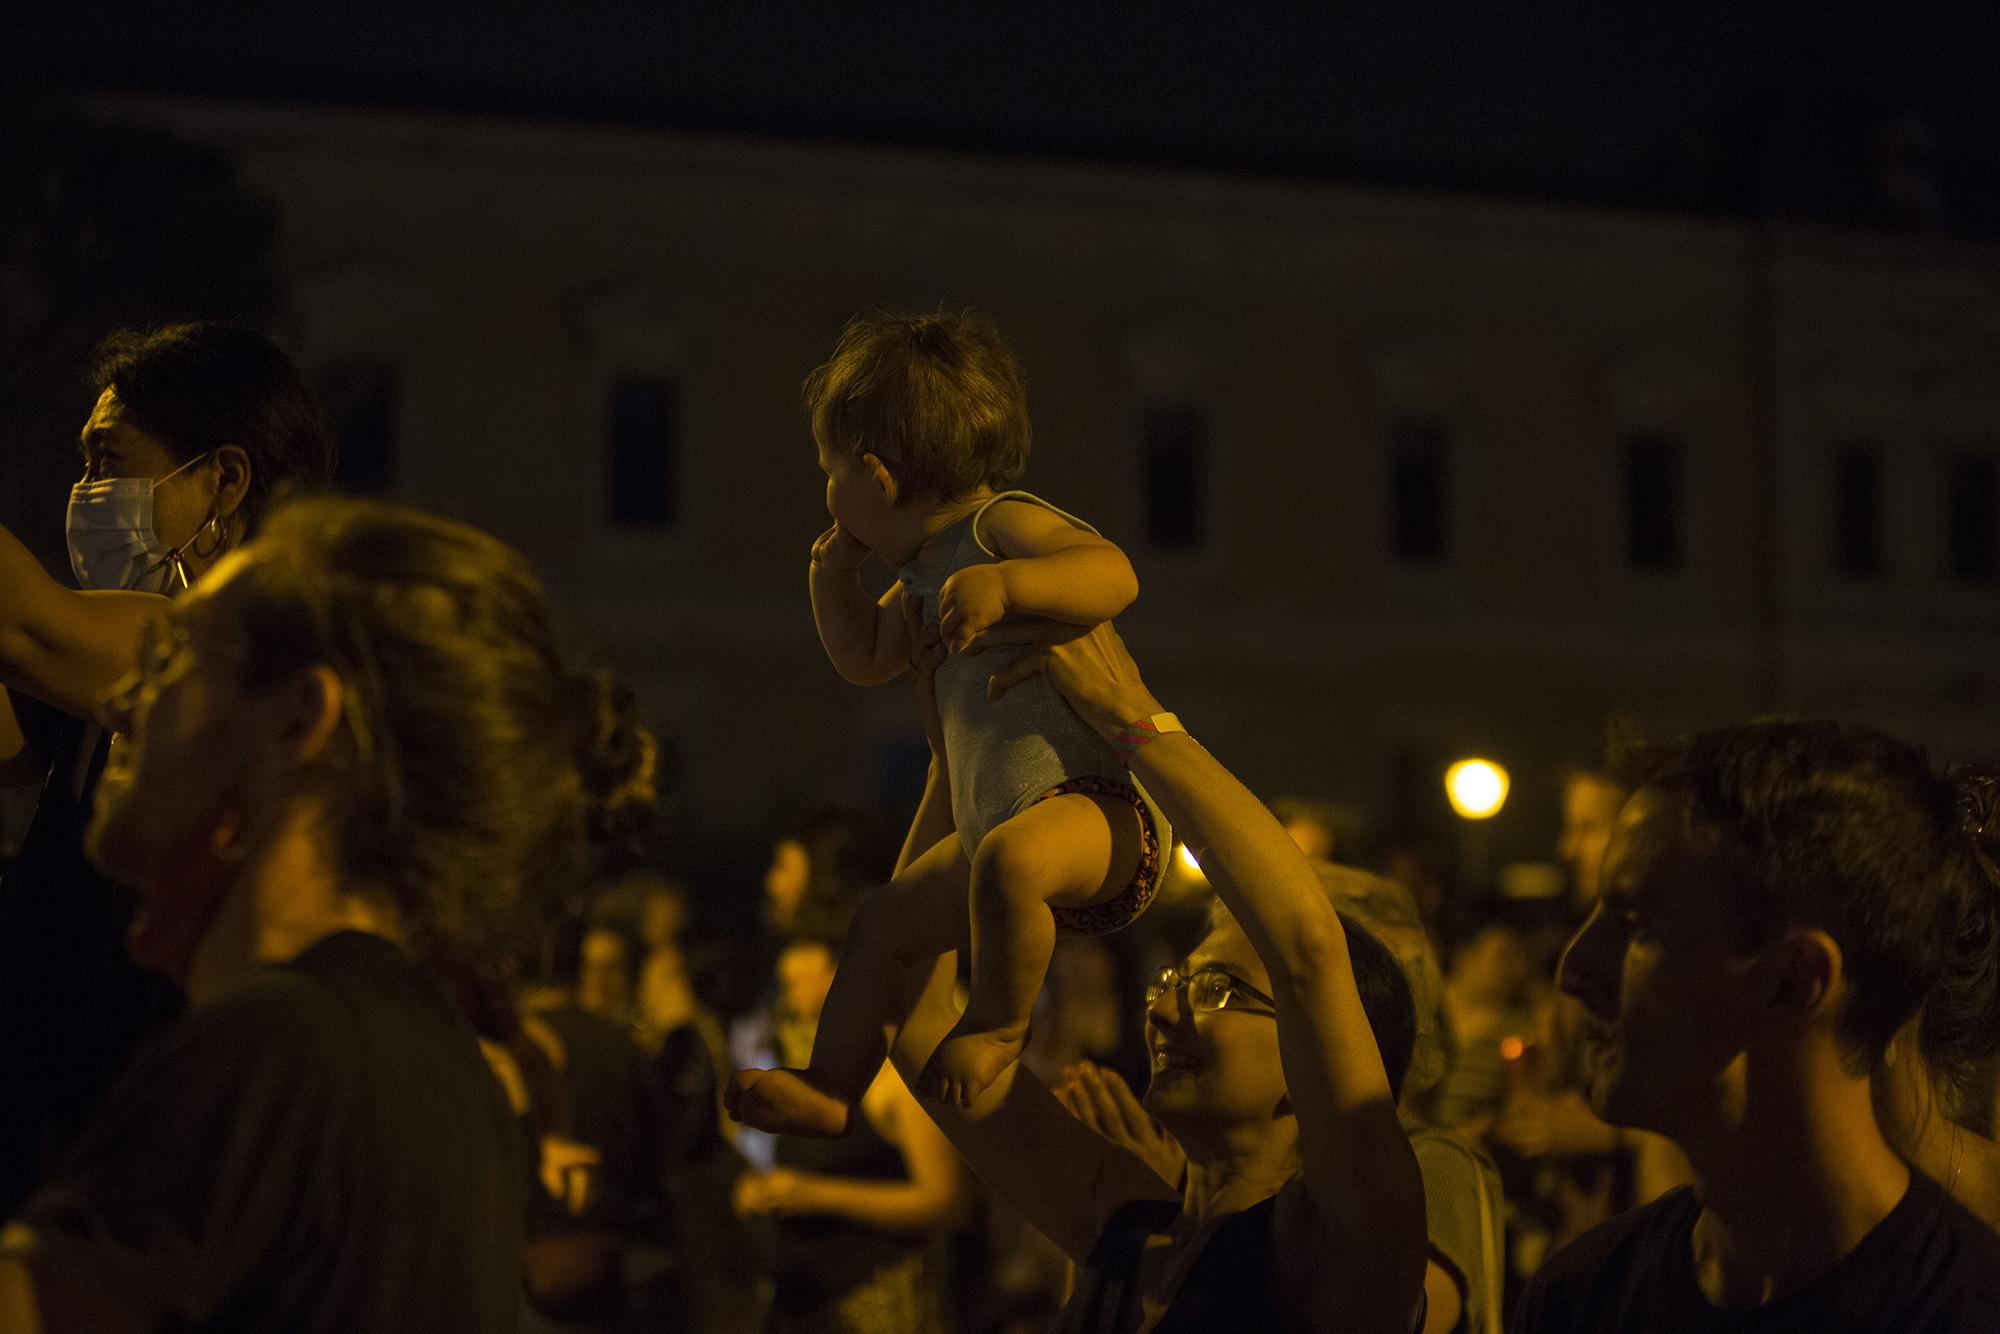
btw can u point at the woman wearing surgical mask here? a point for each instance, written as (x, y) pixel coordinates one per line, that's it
(359, 756)
(194, 427)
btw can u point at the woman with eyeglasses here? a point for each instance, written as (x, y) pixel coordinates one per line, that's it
(1301, 1208)
(193, 429)
(354, 760)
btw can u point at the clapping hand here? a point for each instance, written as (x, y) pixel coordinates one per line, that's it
(1103, 1101)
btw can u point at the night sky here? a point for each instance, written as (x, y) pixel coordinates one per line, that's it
(1602, 104)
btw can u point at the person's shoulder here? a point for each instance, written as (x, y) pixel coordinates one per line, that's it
(1629, 1236)
(1621, 1254)
(284, 1009)
(1016, 523)
(1444, 1152)
(1930, 1266)
(1971, 1245)
(303, 1000)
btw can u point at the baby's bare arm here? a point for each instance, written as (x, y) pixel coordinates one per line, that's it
(865, 638)
(1057, 571)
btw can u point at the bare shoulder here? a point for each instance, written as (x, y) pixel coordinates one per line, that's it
(1017, 529)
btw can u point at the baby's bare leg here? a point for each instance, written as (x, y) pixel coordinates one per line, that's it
(1069, 850)
(918, 915)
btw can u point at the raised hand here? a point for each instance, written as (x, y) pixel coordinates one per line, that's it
(838, 549)
(971, 603)
(1091, 668)
(1103, 1101)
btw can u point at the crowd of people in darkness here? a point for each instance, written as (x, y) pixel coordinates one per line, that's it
(343, 988)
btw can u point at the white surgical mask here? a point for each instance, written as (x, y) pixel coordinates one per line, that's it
(111, 539)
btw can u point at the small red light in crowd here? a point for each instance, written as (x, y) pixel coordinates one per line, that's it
(1511, 1048)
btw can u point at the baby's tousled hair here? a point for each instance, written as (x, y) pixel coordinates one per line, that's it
(938, 398)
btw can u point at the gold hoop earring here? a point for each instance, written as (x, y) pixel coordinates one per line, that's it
(214, 526)
(230, 841)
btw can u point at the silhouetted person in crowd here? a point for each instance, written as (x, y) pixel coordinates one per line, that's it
(823, 865)
(358, 756)
(599, 1141)
(1779, 899)
(857, 1219)
(194, 429)
(1487, 1020)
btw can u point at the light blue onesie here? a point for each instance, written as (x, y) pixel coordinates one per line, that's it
(1006, 754)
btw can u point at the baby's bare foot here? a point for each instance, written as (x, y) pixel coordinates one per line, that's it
(782, 1102)
(967, 1061)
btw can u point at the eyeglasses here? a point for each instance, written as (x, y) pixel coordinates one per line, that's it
(1208, 989)
(165, 650)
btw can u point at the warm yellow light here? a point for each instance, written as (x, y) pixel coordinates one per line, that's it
(1188, 863)
(1477, 788)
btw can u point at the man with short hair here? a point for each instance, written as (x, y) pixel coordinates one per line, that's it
(1776, 902)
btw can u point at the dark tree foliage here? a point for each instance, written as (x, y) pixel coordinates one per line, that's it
(103, 223)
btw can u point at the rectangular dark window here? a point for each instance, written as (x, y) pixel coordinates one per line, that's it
(1420, 493)
(1857, 511)
(362, 401)
(1972, 500)
(1173, 459)
(643, 478)
(1653, 468)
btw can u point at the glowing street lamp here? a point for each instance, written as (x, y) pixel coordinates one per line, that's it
(1477, 788)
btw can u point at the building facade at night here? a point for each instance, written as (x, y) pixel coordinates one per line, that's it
(1403, 475)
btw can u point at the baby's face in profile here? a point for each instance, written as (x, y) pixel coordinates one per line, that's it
(855, 498)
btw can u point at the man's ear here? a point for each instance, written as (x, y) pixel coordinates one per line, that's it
(232, 484)
(884, 480)
(312, 707)
(1807, 980)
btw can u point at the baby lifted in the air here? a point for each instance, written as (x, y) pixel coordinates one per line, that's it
(921, 422)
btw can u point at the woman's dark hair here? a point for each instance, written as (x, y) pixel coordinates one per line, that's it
(1838, 827)
(937, 397)
(1384, 988)
(1389, 913)
(199, 386)
(1385, 998)
(1959, 1031)
(479, 762)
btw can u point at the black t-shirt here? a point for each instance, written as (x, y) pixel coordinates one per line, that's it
(1232, 1284)
(322, 1150)
(604, 1079)
(74, 1008)
(1930, 1267)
